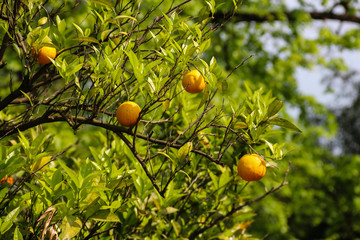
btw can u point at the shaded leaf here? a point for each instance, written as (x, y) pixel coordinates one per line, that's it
(204, 97)
(214, 178)
(87, 39)
(5, 226)
(103, 2)
(284, 123)
(17, 234)
(9, 219)
(274, 108)
(222, 86)
(71, 174)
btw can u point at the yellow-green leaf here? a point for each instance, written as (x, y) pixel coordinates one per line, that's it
(184, 151)
(240, 125)
(70, 227)
(42, 21)
(124, 16)
(105, 216)
(176, 227)
(87, 39)
(39, 163)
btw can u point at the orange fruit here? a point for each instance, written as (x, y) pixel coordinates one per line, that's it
(45, 53)
(7, 179)
(251, 167)
(128, 113)
(193, 82)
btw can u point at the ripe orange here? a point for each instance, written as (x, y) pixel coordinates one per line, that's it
(251, 167)
(193, 82)
(7, 179)
(128, 113)
(45, 53)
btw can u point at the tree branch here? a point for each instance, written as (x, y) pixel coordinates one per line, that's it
(290, 15)
(236, 209)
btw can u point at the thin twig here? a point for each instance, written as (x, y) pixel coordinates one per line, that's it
(196, 233)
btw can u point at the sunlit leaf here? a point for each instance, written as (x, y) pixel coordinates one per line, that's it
(105, 216)
(71, 227)
(184, 151)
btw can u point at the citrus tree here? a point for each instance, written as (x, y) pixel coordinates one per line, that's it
(117, 123)
(289, 39)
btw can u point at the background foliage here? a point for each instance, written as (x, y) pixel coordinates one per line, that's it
(78, 174)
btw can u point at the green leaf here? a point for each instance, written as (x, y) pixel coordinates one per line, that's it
(79, 29)
(274, 108)
(214, 178)
(184, 151)
(56, 178)
(124, 16)
(105, 216)
(42, 21)
(34, 188)
(170, 210)
(12, 215)
(24, 142)
(240, 125)
(99, 16)
(284, 124)
(3, 192)
(71, 174)
(212, 63)
(5, 226)
(17, 234)
(224, 178)
(176, 226)
(166, 155)
(61, 24)
(87, 39)
(151, 85)
(270, 145)
(40, 163)
(205, 45)
(74, 69)
(9, 219)
(27, 96)
(137, 67)
(103, 2)
(70, 227)
(204, 97)
(222, 86)
(39, 141)
(104, 34)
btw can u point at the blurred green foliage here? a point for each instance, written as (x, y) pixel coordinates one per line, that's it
(93, 186)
